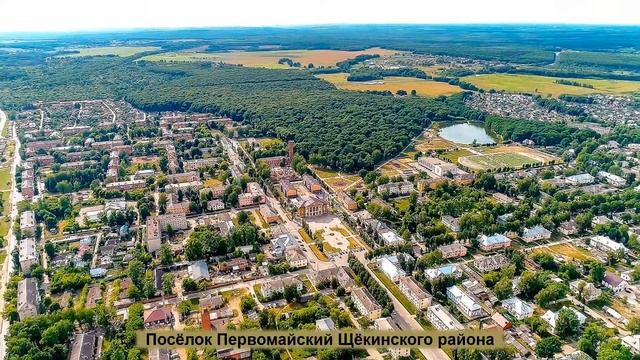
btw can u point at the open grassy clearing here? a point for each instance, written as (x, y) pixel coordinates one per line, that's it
(571, 252)
(269, 59)
(402, 204)
(499, 157)
(546, 85)
(6, 211)
(394, 83)
(5, 178)
(456, 154)
(122, 51)
(324, 173)
(496, 161)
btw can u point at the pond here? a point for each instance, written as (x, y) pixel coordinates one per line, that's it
(466, 133)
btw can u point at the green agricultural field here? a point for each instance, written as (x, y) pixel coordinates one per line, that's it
(122, 51)
(546, 85)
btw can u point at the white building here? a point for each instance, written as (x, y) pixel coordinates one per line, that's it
(199, 270)
(295, 257)
(467, 306)
(28, 222)
(580, 179)
(536, 233)
(446, 270)
(390, 266)
(519, 309)
(550, 317)
(441, 319)
(277, 286)
(632, 342)
(28, 254)
(604, 243)
(612, 179)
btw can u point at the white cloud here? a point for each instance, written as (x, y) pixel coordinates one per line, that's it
(73, 15)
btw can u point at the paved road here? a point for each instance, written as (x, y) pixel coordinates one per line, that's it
(404, 318)
(7, 267)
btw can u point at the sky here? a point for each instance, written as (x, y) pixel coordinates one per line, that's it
(96, 15)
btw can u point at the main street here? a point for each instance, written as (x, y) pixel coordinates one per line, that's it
(8, 265)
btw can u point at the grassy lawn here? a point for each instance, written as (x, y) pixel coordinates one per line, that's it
(319, 254)
(307, 283)
(325, 173)
(454, 155)
(545, 85)
(5, 178)
(230, 294)
(344, 232)
(402, 204)
(428, 88)
(571, 252)
(327, 248)
(122, 51)
(353, 244)
(395, 291)
(305, 236)
(4, 221)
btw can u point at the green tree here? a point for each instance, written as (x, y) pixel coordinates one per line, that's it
(567, 322)
(594, 334)
(167, 283)
(613, 349)
(166, 255)
(547, 347)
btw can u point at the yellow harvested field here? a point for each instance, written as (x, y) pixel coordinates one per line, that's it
(122, 51)
(393, 83)
(571, 252)
(545, 85)
(269, 59)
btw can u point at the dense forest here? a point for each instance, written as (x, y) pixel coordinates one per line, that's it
(340, 129)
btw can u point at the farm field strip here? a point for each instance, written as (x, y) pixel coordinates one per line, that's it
(423, 87)
(269, 59)
(546, 85)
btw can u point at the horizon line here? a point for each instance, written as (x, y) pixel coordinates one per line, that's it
(294, 26)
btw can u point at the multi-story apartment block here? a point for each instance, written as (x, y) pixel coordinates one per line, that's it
(415, 293)
(366, 304)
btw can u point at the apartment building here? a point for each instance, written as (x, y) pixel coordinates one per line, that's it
(441, 319)
(277, 286)
(28, 298)
(366, 304)
(467, 306)
(28, 254)
(415, 292)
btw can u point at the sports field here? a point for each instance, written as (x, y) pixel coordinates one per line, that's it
(269, 59)
(122, 51)
(512, 157)
(393, 84)
(545, 85)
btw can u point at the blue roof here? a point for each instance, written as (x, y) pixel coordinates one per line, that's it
(98, 272)
(494, 239)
